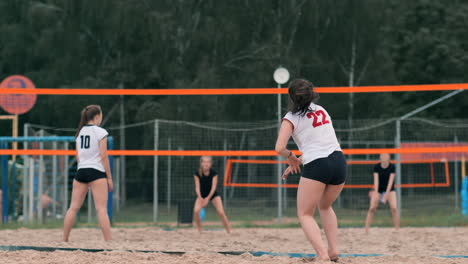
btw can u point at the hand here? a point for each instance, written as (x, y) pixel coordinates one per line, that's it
(110, 183)
(286, 173)
(385, 198)
(205, 202)
(294, 163)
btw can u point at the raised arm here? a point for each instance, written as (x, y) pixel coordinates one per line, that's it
(105, 161)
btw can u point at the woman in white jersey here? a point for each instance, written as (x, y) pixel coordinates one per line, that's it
(324, 172)
(93, 170)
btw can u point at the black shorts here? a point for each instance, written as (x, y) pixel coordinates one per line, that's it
(329, 170)
(212, 197)
(385, 190)
(87, 175)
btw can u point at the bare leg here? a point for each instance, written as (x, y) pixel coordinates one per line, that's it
(309, 195)
(196, 211)
(329, 220)
(218, 204)
(392, 200)
(78, 195)
(374, 203)
(100, 194)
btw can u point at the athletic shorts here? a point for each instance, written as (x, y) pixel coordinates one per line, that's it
(212, 197)
(87, 175)
(329, 170)
(382, 190)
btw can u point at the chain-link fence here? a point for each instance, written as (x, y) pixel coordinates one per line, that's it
(249, 185)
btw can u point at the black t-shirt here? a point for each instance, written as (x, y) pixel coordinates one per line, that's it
(384, 176)
(206, 182)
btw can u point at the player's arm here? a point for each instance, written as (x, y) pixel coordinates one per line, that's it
(390, 182)
(77, 157)
(376, 181)
(214, 184)
(284, 135)
(283, 139)
(197, 186)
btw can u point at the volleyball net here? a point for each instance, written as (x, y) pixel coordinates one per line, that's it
(153, 171)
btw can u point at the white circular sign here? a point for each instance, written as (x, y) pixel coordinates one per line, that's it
(281, 75)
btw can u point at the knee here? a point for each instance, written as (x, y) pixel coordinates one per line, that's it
(394, 210)
(101, 210)
(221, 213)
(197, 210)
(74, 209)
(305, 213)
(372, 210)
(323, 207)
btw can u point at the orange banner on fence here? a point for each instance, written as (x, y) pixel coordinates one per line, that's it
(237, 91)
(448, 156)
(228, 175)
(246, 153)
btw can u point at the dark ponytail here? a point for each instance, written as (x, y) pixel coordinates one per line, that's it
(88, 114)
(301, 95)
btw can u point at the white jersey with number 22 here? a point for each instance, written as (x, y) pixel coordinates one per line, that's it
(314, 133)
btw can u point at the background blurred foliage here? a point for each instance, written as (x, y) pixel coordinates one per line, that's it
(238, 44)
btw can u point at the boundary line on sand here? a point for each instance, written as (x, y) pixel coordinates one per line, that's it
(179, 253)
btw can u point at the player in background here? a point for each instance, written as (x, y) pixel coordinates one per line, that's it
(206, 181)
(93, 171)
(384, 190)
(324, 171)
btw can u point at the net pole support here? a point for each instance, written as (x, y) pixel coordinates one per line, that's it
(456, 179)
(40, 189)
(65, 176)
(169, 175)
(155, 172)
(110, 207)
(225, 167)
(25, 182)
(31, 190)
(398, 164)
(54, 181)
(278, 173)
(5, 172)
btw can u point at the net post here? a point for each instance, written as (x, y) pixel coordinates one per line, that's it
(279, 172)
(5, 202)
(155, 172)
(25, 178)
(54, 180)
(31, 189)
(90, 206)
(225, 164)
(398, 163)
(169, 175)
(40, 190)
(456, 179)
(65, 176)
(117, 177)
(110, 207)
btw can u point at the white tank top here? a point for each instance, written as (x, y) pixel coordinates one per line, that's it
(87, 145)
(314, 133)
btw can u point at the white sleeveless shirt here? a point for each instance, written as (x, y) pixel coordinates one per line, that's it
(87, 145)
(313, 133)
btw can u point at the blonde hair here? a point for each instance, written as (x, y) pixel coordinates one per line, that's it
(200, 170)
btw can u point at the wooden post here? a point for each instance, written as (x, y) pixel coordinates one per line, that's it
(14, 119)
